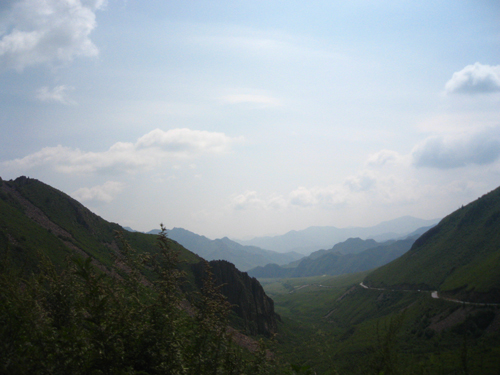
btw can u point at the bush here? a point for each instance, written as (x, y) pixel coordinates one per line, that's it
(84, 321)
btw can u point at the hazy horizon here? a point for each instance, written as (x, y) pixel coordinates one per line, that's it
(250, 118)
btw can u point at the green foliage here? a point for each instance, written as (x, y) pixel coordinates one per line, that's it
(461, 255)
(83, 321)
(63, 226)
(345, 329)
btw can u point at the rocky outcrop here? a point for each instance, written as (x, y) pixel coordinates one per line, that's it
(250, 303)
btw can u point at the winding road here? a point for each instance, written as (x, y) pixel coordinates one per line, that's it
(435, 295)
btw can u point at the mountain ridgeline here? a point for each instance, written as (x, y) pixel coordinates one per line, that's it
(350, 256)
(460, 257)
(243, 257)
(36, 220)
(313, 238)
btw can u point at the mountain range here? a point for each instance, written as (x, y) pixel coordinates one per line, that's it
(350, 256)
(314, 238)
(407, 307)
(433, 310)
(243, 257)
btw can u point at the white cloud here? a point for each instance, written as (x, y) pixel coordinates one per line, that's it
(475, 79)
(46, 31)
(384, 157)
(326, 197)
(101, 193)
(58, 94)
(453, 151)
(185, 142)
(361, 182)
(151, 150)
(246, 200)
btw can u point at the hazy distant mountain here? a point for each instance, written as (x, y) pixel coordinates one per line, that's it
(314, 238)
(243, 257)
(353, 255)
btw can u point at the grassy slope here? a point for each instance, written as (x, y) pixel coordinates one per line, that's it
(462, 251)
(87, 231)
(25, 238)
(350, 334)
(92, 234)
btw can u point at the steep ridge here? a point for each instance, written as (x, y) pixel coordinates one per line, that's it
(37, 219)
(247, 296)
(460, 257)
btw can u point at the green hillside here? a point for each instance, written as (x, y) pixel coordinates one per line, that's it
(459, 257)
(334, 326)
(38, 219)
(82, 296)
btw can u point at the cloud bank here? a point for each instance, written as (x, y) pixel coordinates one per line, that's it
(475, 79)
(58, 94)
(101, 193)
(444, 152)
(37, 32)
(151, 150)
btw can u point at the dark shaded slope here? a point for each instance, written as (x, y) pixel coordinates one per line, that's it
(246, 295)
(460, 256)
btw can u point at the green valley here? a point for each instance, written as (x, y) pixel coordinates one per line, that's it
(81, 295)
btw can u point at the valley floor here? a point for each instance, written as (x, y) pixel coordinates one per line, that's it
(329, 323)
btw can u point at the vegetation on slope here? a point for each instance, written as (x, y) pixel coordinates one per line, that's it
(37, 219)
(334, 326)
(83, 321)
(460, 256)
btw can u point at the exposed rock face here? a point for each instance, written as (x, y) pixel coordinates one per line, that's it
(245, 293)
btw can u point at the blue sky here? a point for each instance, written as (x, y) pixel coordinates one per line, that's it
(245, 118)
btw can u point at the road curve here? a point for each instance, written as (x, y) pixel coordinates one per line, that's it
(435, 295)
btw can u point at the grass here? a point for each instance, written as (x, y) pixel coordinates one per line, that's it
(461, 253)
(331, 335)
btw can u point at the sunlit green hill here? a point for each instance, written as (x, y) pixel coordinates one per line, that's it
(34, 217)
(459, 257)
(37, 219)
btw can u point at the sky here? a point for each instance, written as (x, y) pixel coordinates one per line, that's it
(250, 118)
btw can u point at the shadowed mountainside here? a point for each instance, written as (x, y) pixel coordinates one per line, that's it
(245, 293)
